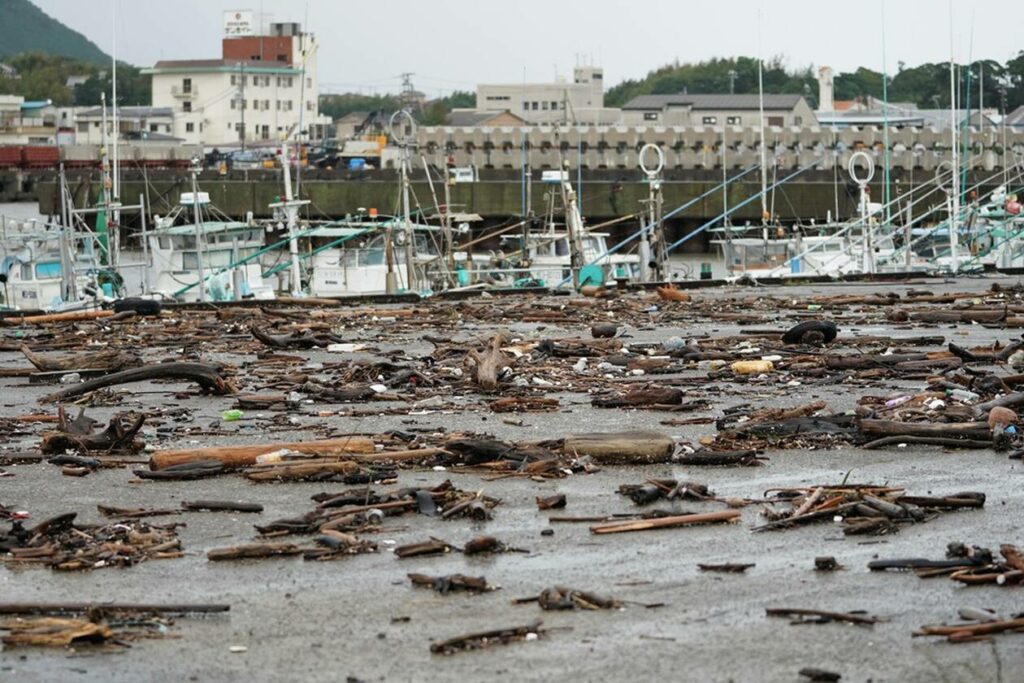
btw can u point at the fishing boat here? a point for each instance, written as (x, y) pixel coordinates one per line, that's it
(188, 249)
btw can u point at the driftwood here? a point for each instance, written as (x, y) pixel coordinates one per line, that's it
(821, 616)
(708, 458)
(482, 639)
(220, 506)
(453, 582)
(964, 633)
(621, 448)
(106, 607)
(964, 430)
(241, 456)
(486, 366)
(253, 550)
(206, 376)
(71, 436)
(109, 360)
(295, 340)
(948, 442)
(301, 470)
(667, 522)
(70, 316)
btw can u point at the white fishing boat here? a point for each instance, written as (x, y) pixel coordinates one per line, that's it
(186, 250)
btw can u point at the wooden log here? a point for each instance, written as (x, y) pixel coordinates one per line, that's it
(88, 607)
(667, 522)
(241, 456)
(865, 620)
(948, 442)
(109, 359)
(205, 375)
(220, 506)
(252, 550)
(963, 430)
(621, 448)
(69, 317)
(302, 470)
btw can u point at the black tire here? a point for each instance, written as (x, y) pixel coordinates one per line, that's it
(827, 329)
(138, 306)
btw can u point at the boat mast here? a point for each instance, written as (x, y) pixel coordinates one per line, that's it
(760, 105)
(115, 223)
(194, 170)
(291, 210)
(954, 211)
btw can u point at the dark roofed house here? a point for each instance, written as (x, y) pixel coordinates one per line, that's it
(685, 109)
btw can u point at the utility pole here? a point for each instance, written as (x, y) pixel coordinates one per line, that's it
(241, 83)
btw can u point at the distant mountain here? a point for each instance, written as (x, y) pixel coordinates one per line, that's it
(26, 28)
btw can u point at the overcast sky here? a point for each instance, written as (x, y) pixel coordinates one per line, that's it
(454, 44)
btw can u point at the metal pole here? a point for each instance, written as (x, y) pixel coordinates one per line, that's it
(954, 262)
(291, 211)
(199, 232)
(410, 266)
(145, 245)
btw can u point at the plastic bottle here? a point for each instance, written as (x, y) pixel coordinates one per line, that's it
(232, 415)
(963, 395)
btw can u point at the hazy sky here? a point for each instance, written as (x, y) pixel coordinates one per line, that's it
(453, 44)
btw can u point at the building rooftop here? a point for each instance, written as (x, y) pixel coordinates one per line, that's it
(471, 118)
(249, 65)
(712, 102)
(128, 112)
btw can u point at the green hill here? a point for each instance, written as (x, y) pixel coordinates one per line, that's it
(26, 28)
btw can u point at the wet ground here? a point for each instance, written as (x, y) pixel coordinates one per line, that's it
(359, 617)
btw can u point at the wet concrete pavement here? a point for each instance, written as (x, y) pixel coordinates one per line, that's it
(326, 621)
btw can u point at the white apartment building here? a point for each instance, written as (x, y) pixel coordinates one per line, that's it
(581, 101)
(262, 90)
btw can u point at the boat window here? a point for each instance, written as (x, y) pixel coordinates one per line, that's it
(165, 242)
(562, 247)
(26, 271)
(218, 258)
(48, 269)
(348, 258)
(189, 260)
(371, 256)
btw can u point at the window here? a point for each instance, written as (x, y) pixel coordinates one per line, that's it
(497, 98)
(309, 82)
(710, 120)
(282, 58)
(554, 106)
(278, 103)
(234, 104)
(776, 121)
(650, 116)
(186, 105)
(309, 105)
(798, 120)
(153, 128)
(533, 105)
(189, 127)
(265, 133)
(266, 105)
(256, 105)
(231, 125)
(83, 127)
(544, 106)
(526, 106)
(186, 85)
(733, 120)
(233, 80)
